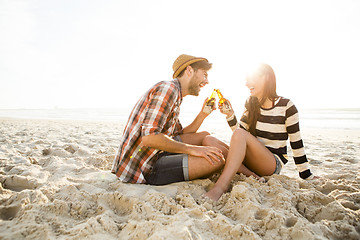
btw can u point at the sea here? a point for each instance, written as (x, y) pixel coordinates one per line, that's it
(309, 118)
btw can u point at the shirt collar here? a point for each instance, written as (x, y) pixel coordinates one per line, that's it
(178, 85)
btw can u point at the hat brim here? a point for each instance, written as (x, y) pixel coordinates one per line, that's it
(185, 64)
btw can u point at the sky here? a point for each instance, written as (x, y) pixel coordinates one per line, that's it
(106, 54)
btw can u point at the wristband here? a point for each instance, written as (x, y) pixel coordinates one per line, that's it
(230, 118)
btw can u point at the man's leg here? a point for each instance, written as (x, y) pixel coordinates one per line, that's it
(200, 167)
(194, 138)
(205, 139)
(213, 141)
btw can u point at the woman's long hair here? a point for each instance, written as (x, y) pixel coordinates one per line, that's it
(253, 104)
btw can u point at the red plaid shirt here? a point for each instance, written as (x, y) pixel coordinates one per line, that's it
(156, 112)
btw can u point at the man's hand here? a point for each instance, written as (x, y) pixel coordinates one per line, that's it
(226, 108)
(211, 154)
(207, 109)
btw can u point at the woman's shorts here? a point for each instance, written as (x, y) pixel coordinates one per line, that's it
(278, 164)
(169, 168)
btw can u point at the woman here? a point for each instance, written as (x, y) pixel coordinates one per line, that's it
(258, 142)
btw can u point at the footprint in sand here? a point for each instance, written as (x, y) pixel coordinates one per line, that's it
(9, 212)
(18, 183)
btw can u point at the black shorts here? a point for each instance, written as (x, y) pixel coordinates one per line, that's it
(169, 168)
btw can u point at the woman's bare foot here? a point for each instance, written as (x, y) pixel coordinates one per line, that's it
(214, 194)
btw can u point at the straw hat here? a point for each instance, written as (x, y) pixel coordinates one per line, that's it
(183, 61)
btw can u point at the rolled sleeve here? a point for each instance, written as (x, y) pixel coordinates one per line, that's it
(178, 128)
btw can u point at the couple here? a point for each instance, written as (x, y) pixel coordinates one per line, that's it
(155, 148)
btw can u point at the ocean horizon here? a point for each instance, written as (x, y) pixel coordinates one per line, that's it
(337, 118)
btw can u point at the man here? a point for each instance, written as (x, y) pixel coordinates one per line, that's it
(154, 148)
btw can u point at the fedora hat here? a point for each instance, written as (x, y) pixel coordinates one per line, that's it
(183, 61)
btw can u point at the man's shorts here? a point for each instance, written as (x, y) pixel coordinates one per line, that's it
(169, 168)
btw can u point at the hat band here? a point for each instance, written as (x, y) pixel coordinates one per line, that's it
(196, 60)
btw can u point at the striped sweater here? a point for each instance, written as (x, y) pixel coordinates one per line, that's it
(274, 127)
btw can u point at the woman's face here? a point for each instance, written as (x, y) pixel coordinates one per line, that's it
(256, 84)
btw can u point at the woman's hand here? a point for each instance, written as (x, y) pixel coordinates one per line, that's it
(226, 108)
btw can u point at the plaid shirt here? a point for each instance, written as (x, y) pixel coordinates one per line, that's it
(156, 112)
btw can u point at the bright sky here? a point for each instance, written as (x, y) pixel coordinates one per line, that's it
(82, 53)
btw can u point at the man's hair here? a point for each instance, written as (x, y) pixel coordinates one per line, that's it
(205, 65)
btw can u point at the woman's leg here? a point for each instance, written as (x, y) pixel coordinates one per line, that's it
(258, 158)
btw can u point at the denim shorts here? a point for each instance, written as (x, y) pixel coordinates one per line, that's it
(278, 164)
(169, 168)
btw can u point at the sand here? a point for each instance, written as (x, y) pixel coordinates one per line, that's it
(56, 184)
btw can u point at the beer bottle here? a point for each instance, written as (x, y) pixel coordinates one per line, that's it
(221, 97)
(223, 102)
(211, 101)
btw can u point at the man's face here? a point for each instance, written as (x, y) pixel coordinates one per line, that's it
(198, 81)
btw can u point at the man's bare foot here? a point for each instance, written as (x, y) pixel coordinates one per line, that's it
(214, 194)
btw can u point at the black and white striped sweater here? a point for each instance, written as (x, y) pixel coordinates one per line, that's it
(274, 127)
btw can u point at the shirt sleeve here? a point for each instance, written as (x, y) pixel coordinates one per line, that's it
(233, 123)
(296, 143)
(244, 121)
(161, 100)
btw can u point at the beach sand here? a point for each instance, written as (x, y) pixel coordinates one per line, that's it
(56, 184)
